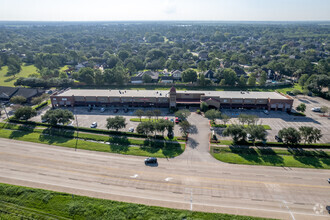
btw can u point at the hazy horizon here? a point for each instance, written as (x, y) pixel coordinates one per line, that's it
(165, 10)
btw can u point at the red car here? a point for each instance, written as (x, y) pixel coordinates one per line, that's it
(166, 118)
(177, 120)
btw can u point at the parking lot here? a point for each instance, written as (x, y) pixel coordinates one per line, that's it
(278, 120)
(275, 119)
(86, 118)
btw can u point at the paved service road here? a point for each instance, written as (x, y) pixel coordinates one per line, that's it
(203, 185)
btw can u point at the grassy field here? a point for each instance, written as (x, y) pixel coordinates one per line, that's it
(10, 80)
(18, 201)
(269, 157)
(117, 145)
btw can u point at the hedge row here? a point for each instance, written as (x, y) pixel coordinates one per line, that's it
(41, 105)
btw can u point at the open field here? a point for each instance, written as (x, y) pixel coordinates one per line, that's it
(270, 157)
(10, 80)
(43, 204)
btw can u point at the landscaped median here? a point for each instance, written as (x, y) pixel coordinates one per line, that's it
(18, 201)
(291, 157)
(95, 142)
(266, 127)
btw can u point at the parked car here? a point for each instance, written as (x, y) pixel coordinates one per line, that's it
(102, 110)
(266, 112)
(131, 129)
(177, 120)
(172, 120)
(249, 137)
(150, 160)
(126, 110)
(90, 108)
(44, 120)
(316, 109)
(94, 125)
(166, 118)
(116, 110)
(278, 139)
(329, 180)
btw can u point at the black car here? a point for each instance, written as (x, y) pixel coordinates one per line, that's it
(278, 139)
(150, 160)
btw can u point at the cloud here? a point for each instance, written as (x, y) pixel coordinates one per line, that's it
(169, 7)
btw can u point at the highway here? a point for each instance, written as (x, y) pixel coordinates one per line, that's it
(211, 186)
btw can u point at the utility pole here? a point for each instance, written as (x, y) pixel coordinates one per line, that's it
(77, 129)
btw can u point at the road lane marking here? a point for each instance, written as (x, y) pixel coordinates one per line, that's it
(180, 176)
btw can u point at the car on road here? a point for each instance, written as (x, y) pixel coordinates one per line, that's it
(266, 112)
(150, 160)
(166, 118)
(94, 125)
(116, 110)
(316, 109)
(102, 110)
(278, 139)
(329, 180)
(131, 129)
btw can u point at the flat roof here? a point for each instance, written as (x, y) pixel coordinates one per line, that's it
(113, 93)
(239, 94)
(165, 93)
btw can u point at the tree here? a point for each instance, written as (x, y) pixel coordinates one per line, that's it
(202, 81)
(229, 76)
(18, 99)
(237, 132)
(14, 66)
(36, 100)
(86, 75)
(146, 78)
(252, 119)
(55, 116)
(301, 107)
(149, 114)
(160, 126)
(185, 127)
(139, 113)
(257, 132)
(263, 78)
(310, 134)
(116, 123)
(182, 114)
(242, 81)
(222, 82)
(25, 113)
(252, 80)
(157, 113)
(225, 118)
(146, 128)
(289, 135)
(325, 110)
(189, 75)
(204, 106)
(213, 114)
(243, 118)
(302, 80)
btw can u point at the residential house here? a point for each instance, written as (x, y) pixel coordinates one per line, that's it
(166, 79)
(139, 77)
(6, 93)
(177, 75)
(203, 55)
(210, 75)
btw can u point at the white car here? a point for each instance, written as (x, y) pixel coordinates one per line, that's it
(316, 109)
(94, 125)
(266, 112)
(131, 130)
(102, 110)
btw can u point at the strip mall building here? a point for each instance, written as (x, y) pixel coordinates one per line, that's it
(172, 98)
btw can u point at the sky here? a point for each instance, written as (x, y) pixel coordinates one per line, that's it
(192, 10)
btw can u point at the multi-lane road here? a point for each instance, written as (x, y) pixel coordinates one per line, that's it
(189, 181)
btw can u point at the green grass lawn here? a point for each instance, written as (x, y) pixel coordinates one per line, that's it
(270, 157)
(62, 69)
(267, 127)
(16, 201)
(117, 145)
(10, 80)
(143, 120)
